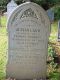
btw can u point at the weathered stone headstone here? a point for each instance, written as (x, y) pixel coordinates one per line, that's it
(28, 32)
(59, 30)
(50, 15)
(11, 6)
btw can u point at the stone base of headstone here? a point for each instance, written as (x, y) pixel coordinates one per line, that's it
(58, 37)
(58, 40)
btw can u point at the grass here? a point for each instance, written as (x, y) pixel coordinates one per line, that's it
(3, 51)
(54, 32)
(3, 21)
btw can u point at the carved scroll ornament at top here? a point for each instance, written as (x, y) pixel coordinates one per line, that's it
(28, 13)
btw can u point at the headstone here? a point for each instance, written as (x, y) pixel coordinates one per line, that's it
(11, 6)
(50, 15)
(28, 32)
(59, 30)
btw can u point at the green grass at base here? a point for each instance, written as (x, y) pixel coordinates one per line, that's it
(3, 52)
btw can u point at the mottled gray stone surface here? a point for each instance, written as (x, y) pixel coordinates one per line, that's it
(28, 32)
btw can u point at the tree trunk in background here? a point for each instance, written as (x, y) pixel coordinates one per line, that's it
(25, 0)
(0, 20)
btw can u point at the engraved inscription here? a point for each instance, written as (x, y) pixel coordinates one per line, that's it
(28, 40)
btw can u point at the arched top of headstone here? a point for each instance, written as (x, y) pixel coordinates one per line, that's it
(50, 15)
(32, 11)
(10, 7)
(11, 3)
